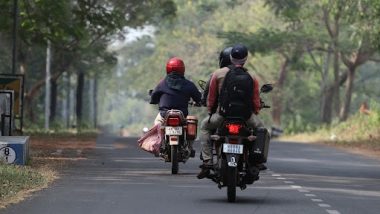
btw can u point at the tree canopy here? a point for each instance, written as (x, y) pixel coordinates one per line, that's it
(321, 55)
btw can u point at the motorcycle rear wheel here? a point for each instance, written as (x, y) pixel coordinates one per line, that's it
(231, 184)
(174, 158)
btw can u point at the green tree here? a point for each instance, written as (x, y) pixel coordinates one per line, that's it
(76, 28)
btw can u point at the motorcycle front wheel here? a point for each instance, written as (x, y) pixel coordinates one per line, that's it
(174, 158)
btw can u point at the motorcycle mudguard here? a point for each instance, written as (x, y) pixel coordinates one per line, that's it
(232, 159)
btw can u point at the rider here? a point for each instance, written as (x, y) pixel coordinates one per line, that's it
(174, 91)
(238, 56)
(224, 61)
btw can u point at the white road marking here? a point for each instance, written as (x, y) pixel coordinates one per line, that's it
(302, 190)
(333, 212)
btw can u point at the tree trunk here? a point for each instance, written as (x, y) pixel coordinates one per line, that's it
(327, 104)
(53, 100)
(277, 96)
(67, 98)
(79, 98)
(348, 94)
(333, 28)
(91, 99)
(326, 91)
(336, 89)
(96, 102)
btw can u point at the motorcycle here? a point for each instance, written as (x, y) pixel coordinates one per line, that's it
(238, 152)
(179, 134)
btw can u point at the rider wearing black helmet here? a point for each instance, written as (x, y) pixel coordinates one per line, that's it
(224, 57)
(224, 61)
(238, 56)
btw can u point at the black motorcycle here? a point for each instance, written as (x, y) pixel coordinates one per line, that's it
(238, 152)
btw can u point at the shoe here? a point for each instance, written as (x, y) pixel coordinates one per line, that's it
(203, 173)
(252, 175)
(262, 167)
(205, 170)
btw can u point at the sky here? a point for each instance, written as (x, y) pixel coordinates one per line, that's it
(130, 35)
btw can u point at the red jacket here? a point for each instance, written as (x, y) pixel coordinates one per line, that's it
(216, 83)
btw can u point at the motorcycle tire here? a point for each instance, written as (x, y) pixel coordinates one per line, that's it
(174, 158)
(231, 183)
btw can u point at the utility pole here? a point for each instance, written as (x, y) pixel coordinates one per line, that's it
(14, 32)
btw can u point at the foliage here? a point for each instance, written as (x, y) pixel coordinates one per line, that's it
(192, 35)
(79, 32)
(289, 32)
(318, 40)
(360, 130)
(360, 126)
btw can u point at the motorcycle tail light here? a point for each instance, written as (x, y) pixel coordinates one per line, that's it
(233, 128)
(173, 121)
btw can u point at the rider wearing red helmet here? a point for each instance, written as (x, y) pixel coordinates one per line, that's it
(174, 91)
(175, 64)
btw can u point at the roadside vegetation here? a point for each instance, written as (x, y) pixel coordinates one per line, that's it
(360, 132)
(49, 153)
(18, 181)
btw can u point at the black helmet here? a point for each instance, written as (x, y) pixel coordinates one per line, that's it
(224, 57)
(239, 54)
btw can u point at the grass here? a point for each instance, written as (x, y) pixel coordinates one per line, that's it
(17, 182)
(17, 178)
(360, 131)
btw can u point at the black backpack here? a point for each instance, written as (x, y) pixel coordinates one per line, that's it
(235, 99)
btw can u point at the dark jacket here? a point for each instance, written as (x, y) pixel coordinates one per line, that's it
(174, 92)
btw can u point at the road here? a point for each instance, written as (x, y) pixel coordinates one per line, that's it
(120, 178)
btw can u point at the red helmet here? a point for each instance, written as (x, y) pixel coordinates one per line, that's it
(175, 64)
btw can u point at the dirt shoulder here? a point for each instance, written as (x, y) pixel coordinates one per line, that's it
(48, 156)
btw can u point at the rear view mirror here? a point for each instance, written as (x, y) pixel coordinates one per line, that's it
(266, 88)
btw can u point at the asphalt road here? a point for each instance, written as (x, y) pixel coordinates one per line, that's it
(120, 178)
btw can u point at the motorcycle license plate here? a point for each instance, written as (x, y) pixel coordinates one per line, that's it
(173, 130)
(233, 148)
